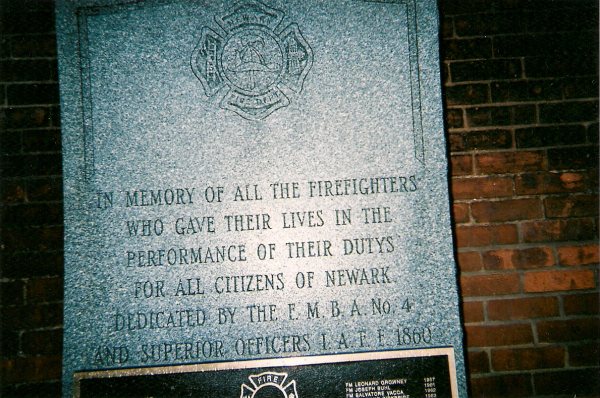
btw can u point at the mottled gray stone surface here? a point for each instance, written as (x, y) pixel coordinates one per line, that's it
(176, 104)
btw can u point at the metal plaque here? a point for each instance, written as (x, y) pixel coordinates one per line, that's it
(409, 373)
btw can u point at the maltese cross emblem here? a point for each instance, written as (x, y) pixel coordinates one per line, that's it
(252, 63)
(269, 384)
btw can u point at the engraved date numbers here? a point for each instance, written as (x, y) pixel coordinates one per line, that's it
(430, 389)
(414, 335)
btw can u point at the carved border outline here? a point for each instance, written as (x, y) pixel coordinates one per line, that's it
(86, 91)
(85, 79)
(415, 79)
(86, 84)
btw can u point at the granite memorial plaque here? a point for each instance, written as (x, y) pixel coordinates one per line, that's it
(256, 200)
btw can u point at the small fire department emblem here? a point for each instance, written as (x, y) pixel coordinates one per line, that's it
(269, 385)
(254, 63)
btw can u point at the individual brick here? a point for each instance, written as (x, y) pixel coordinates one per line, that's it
(13, 191)
(498, 335)
(483, 116)
(27, 6)
(586, 354)
(481, 187)
(580, 87)
(578, 255)
(556, 67)
(546, 136)
(486, 235)
(543, 44)
(573, 158)
(528, 358)
(576, 382)
(489, 285)
(30, 369)
(522, 91)
(454, 118)
(9, 345)
(554, 281)
(32, 238)
(454, 7)
(463, 49)
(31, 265)
(32, 316)
(559, 230)
(33, 46)
(467, 94)
(11, 293)
(29, 214)
(21, 70)
(579, 18)
(507, 210)
(571, 206)
(482, 70)
(461, 165)
(46, 389)
(509, 162)
(43, 290)
(31, 94)
(32, 165)
(472, 311)
(42, 342)
(551, 182)
(581, 304)
(522, 308)
(55, 116)
(469, 261)
(460, 212)
(11, 143)
(508, 385)
(28, 117)
(481, 140)
(447, 27)
(568, 112)
(510, 259)
(456, 142)
(44, 189)
(42, 141)
(4, 46)
(478, 362)
(29, 22)
(488, 24)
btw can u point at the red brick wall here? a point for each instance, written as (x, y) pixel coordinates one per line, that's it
(521, 84)
(31, 195)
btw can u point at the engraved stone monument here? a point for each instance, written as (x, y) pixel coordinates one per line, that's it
(256, 200)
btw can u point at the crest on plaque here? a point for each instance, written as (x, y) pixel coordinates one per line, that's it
(269, 384)
(253, 62)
